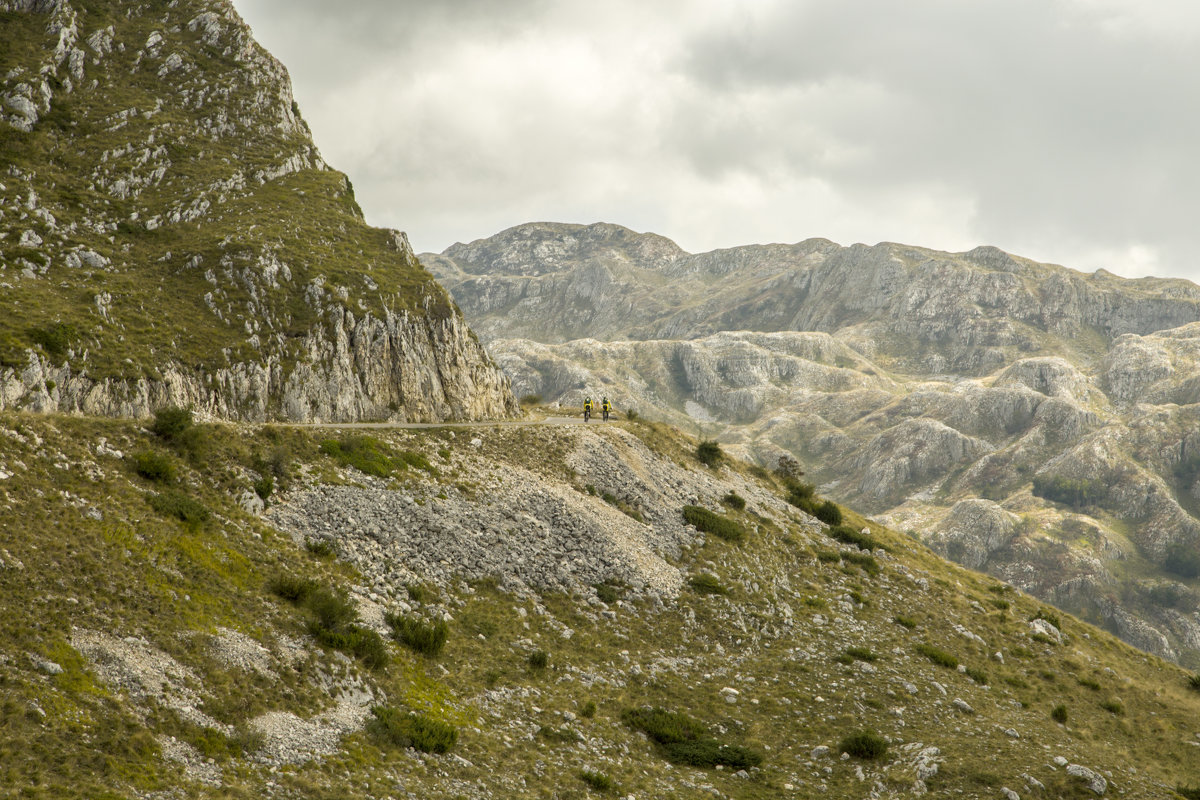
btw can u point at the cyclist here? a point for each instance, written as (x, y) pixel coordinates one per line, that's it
(606, 407)
(587, 408)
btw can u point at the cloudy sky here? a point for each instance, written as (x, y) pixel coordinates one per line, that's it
(1062, 130)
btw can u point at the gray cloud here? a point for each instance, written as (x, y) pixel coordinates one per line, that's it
(1061, 129)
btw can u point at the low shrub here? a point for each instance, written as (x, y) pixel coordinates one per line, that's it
(848, 535)
(292, 588)
(597, 780)
(331, 610)
(589, 709)
(426, 638)
(865, 560)
(861, 654)
(1188, 793)
(539, 660)
(903, 621)
(418, 592)
(180, 506)
(734, 500)
(705, 583)
(829, 512)
(563, 735)
(170, 423)
(1113, 707)
(1089, 683)
(366, 454)
(1049, 616)
(711, 753)
(977, 675)
(709, 453)
(1183, 560)
(531, 399)
(707, 521)
(153, 466)
(864, 744)
(321, 548)
(334, 620)
(1194, 682)
(1074, 492)
(54, 339)
(684, 740)
(407, 458)
(417, 731)
(1059, 714)
(609, 592)
(937, 656)
(361, 642)
(264, 486)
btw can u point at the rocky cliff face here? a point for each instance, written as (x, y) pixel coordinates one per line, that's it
(169, 234)
(1020, 418)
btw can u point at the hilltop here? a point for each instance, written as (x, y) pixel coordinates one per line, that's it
(169, 234)
(1021, 418)
(532, 595)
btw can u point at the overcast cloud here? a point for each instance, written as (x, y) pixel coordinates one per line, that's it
(1062, 130)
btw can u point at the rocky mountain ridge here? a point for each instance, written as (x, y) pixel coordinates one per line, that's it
(1024, 419)
(171, 236)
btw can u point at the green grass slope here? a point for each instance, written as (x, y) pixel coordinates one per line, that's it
(160, 640)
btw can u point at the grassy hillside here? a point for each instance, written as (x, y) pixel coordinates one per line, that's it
(160, 637)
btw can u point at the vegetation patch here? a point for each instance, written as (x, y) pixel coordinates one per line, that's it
(365, 453)
(426, 638)
(610, 591)
(904, 622)
(598, 781)
(333, 620)
(176, 504)
(864, 744)
(937, 656)
(1114, 707)
(848, 535)
(153, 466)
(560, 735)
(683, 740)
(706, 583)
(734, 501)
(321, 548)
(709, 453)
(977, 675)
(539, 660)
(399, 729)
(1074, 492)
(1059, 714)
(718, 525)
(865, 560)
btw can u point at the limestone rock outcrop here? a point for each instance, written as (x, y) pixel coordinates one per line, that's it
(187, 244)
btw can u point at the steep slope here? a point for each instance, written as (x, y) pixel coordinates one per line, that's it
(170, 234)
(915, 385)
(175, 640)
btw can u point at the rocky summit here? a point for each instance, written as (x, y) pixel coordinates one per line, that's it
(169, 235)
(1021, 418)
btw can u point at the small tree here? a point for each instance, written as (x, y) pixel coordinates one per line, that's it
(709, 453)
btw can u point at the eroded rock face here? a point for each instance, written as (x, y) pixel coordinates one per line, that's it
(972, 531)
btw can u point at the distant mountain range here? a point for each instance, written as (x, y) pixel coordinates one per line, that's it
(1024, 419)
